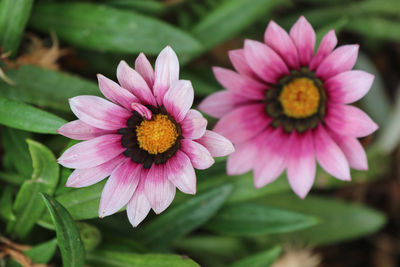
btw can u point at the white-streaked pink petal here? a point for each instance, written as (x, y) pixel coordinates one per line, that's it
(329, 155)
(349, 120)
(129, 79)
(179, 99)
(99, 112)
(159, 190)
(144, 68)
(181, 173)
(79, 130)
(218, 145)
(240, 64)
(349, 86)
(243, 123)
(138, 207)
(193, 125)
(244, 157)
(166, 73)
(93, 152)
(116, 93)
(278, 39)
(328, 43)
(341, 59)
(119, 188)
(198, 154)
(264, 61)
(221, 103)
(303, 35)
(142, 110)
(240, 84)
(86, 177)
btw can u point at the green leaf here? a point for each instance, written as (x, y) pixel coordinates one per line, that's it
(16, 150)
(45, 88)
(151, 7)
(12, 178)
(6, 202)
(28, 206)
(24, 117)
(263, 259)
(68, 238)
(230, 18)
(252, 219)
(338, 26)
(42, 253)
(90, 235)
(375, 27)
(106, 29)
(14, 15)
(104, 258)
(184, 218)
(340, 220)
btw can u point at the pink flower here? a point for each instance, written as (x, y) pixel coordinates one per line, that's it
(147, 141)
(286, 107)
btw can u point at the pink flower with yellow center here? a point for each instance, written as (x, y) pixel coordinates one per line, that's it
(148, 140)
(286, 107)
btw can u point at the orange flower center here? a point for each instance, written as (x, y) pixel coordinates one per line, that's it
(300, 98)
(156, 135)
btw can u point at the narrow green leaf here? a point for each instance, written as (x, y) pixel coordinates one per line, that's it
(263, 259)
(42, 253)
(183, 218)
(340, 220)
(24, 117)
(375, 27)
(103, 28)
(252, 219)
(14, 15)
(102, 258)
(151, 7)
(6, 202)
(338, 26)
(68, 238)
(45, 88)
(28, 206)
(230, 18)
(12, 178)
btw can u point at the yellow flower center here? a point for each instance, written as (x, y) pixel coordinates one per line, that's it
(156, 135)
(300, 98)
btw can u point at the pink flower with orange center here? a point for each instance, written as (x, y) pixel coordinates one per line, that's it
(286, 107)
(147, 139)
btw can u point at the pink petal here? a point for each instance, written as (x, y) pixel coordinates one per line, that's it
(349, 120)
(341, 59)
(353, 150)
(92, 153)
(239, 84)
(271, 157)
(329, 155)
(243, 123)
(166, 73)
(301, 164)
(198, 154)
(115, 93)
(278, 39)
(218, 145)
(193, 125)
(159, 190)
(87, 177)
(303, 35)
(132, 81)
(181, 173)
(144, 68)
(264, 61)
(119, 188)
(179, 99)
(349, 86)
(244, 157)
(240, 64)
(326, 46)
(138, 207)
(221, 103)
(80, 131)
(142, 110)
(99, 112)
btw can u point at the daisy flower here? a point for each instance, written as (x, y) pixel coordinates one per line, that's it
(286, 107)
(147, 139)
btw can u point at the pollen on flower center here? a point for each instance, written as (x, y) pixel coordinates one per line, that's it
(300, 98)
(156, 135)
